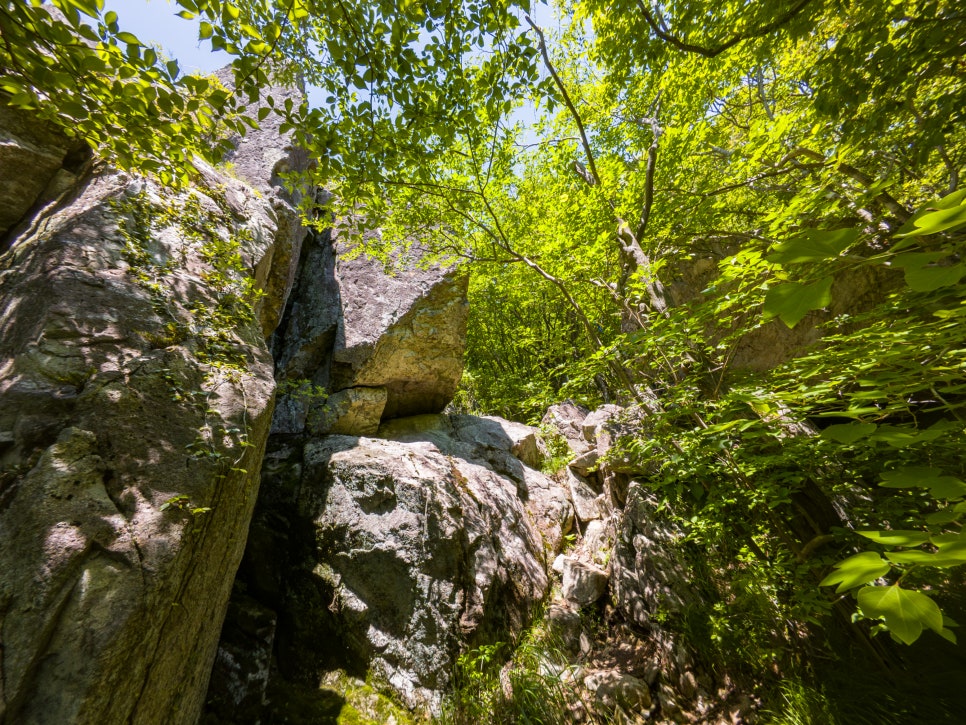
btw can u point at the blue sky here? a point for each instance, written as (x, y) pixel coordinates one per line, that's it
(154, 21)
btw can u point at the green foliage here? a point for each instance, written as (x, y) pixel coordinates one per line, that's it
(497, 683)
(709, 182)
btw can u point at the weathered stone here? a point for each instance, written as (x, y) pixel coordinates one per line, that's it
(263, 158)
(585, 463)
(585, 500)
(350, 324)
(240, 675)
(303, 343)
(524, 440)
(564, 625)
(650, 570)
(355, 411)
(597, 419)
(583, 583)
(567, 419)
(412, 545)
(613, 689)
(125, 490)
(33, 156)
(405, 333)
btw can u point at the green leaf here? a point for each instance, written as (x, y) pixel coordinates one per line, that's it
(814, 245)
(927, 279)
(205, 30)
(856, 570)
(908, 476)
(941, 518)
(790, 302)
(896, 538)
(943, 220)
(904, 611)
(128, 38)
(896, 436)
(848, 433)
(941, 559)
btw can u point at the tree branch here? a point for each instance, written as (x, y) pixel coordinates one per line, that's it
(566, 97)
(663, 34)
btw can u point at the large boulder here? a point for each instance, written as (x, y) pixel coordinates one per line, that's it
(404, 332)
(354, 326)
(135, 402)
(391, 554)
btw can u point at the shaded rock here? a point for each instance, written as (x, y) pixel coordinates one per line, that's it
(240, 675)
(129, 472)
(615, 690)
(38, 164)
(389, 555)
(564, 625)
(650, 569)
(302, 345)
(583, 583)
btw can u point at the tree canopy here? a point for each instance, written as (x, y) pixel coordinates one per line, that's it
(746, 217)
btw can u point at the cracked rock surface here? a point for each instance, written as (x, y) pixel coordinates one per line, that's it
(128, 462)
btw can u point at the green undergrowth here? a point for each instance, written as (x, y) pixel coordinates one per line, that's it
(503, 684)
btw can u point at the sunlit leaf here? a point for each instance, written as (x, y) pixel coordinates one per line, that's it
(791, 301)
(896, 538)
(856, 570)
(905, 611)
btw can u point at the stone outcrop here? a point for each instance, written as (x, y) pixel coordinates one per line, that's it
(398, 551)
(135, 401)
(38, 165)
(384, 344)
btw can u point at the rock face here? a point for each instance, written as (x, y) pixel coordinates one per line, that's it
(135, 402)
(385, 345)
(397, 551)
(38, 164)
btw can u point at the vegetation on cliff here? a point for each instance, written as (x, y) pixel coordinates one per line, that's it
(746, 217)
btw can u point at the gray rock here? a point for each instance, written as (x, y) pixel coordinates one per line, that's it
(126, 488)
(492, 441)
(241, 671)
(564, 625)
(405, 333)
(616, 690)
(568, 419)
(649, 570)
(269, 162)
(583, 583)
(351, 324)
(33, 156)
(355, 411)
(414, 544)
(597, 419)
(524, 440)
(584, 498)
(585, 463)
